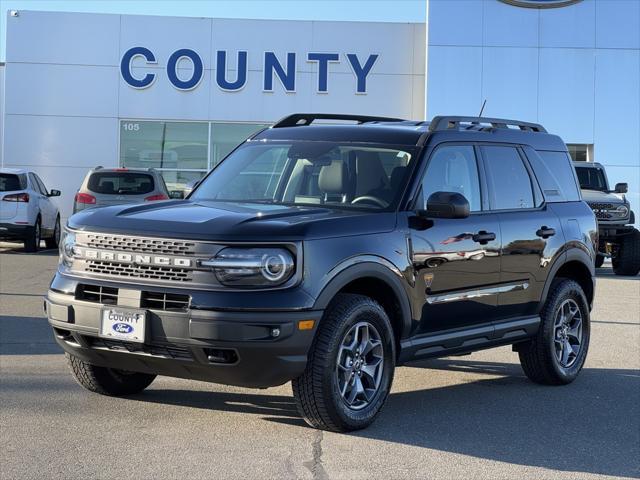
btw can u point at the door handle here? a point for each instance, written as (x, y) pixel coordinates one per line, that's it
(483, 237)
(546, 232)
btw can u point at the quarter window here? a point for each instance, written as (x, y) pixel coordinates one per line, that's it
(508, 179)
(454, 168)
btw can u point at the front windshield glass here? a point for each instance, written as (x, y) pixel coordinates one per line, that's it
(591, 179)
(310, 173)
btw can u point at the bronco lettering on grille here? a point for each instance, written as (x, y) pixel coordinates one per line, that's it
(134, 259)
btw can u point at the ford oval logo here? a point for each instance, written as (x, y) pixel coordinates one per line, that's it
(540, 3)
(122, 328)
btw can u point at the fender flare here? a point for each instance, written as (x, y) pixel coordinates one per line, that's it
(573, 254)
(380, 269)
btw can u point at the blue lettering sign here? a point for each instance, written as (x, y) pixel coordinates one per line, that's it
(360, 71)
(125, 67)
(221, 71)
(272, 65)
(323, 60)
(172, 67)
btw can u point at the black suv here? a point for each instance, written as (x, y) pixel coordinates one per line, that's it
(330, 254)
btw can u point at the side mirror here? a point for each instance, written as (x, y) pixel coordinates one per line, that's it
(176, 194)
(54, 193)
(621, 188)
(446, 205)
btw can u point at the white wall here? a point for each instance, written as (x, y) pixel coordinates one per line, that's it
(66, 95)
(1, 110)
(575, 69)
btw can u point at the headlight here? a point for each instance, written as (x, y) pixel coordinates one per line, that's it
(621, 212)
(67, 244)
(252, 267)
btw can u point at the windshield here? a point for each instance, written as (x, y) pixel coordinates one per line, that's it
(310, 173)
(591, 179)
(120, 183)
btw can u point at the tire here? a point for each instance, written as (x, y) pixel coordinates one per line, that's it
(54, 240)
(34, 235)
(107, 381)
(318, 390)
(627, 260)
(599, 260)
(540, 357)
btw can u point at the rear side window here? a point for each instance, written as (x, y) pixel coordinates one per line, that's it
(509, 182)
(120, 183)
(554, 172)
(10, 182)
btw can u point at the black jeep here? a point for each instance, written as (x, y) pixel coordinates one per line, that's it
(328, 255)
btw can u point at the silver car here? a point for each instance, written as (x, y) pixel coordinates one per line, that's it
(115, 186)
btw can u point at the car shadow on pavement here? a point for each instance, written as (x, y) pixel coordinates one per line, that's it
(609, 275)
(590, 426)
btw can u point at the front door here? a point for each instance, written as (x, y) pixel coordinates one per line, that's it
(456, 261)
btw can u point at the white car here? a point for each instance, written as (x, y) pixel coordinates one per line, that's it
(27, 213)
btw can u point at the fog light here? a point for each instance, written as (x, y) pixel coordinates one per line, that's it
(275, 332)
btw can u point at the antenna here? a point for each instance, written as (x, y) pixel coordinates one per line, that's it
(482, 109)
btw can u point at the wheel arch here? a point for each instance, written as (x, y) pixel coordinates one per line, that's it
(577, 265)
(376, 280)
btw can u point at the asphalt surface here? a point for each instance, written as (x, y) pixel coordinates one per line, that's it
(460, 417)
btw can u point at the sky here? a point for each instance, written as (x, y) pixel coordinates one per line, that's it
(354, 10)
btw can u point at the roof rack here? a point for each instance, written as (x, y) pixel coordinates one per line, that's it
(446, 123)
(303, 119)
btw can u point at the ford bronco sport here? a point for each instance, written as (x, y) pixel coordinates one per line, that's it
(617, 236)
(328, 255)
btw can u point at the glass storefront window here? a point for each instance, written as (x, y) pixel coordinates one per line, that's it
(183, 151)
(227, 136)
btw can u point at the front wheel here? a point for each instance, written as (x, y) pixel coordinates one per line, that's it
(350, 367)
(107, 381)
(627, 259)
(54, 240)
(557, 353)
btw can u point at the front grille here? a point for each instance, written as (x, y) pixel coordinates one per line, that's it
(140, 245)
(97, 294)
(603, 215)
(602, 206)
(151, 272)
(167, 350)
(165, 301)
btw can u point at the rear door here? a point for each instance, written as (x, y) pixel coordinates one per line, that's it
(456, 261)
(531, 231)
(41, 201)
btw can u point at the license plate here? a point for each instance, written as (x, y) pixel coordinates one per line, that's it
(123, 324)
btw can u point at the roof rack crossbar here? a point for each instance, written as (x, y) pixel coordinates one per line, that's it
(303, 119)
(446, 123)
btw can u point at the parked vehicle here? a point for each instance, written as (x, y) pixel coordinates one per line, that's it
(117, 186)
(27, 213)
(328, 255)
(618, 237)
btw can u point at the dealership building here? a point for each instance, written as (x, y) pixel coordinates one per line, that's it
(177, 94)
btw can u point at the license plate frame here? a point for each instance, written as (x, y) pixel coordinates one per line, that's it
(122, 323)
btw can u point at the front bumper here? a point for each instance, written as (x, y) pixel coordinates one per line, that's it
(12, 230)
(228, 347)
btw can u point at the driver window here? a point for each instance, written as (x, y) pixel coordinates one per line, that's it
(453, 168)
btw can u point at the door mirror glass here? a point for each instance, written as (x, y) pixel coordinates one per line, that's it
(621, 188)
(54, 193)
(446, 205)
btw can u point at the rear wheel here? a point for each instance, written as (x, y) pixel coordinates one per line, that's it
(350, 366)
(107, 381)
(627, 259)
(54, 240)
(34, 235)
(557, 353)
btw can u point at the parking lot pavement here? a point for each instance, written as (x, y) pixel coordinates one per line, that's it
(459, 417)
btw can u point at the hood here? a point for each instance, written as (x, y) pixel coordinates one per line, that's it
(596, 196)
(203, 220)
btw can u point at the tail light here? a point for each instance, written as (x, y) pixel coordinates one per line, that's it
(155, 198)
(16, 197)
(85, 198)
